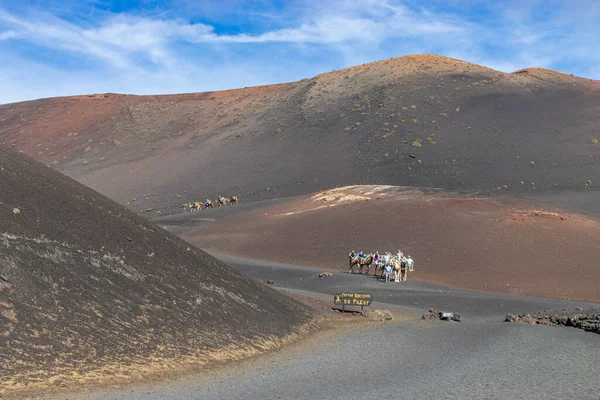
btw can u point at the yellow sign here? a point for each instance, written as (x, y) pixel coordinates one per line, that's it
(353, 299)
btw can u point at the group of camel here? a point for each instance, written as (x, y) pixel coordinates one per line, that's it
(399, 267)
(220, 202)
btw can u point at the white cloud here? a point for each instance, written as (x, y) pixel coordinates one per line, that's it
(162, 53)
(119, 36)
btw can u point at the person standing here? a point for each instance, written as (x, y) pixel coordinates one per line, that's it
(385, 263)
(388, 272)
(411, 264)
(403, 268)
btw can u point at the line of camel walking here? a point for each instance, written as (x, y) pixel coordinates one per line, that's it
(220, 202)
(399, 265)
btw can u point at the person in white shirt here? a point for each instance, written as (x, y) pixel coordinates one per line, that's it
(411, 264)
(400, 254)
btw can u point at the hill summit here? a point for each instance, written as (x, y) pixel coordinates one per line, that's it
(422, 121)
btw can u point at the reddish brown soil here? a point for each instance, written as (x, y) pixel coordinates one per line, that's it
(479, 130)
(471, 243)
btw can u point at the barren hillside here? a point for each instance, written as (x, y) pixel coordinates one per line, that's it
(89, 291)
(424, 121)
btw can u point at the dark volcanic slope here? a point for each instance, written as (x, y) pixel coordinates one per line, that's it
(89, 289)
(473, 129)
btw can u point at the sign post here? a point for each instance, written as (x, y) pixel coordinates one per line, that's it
(353, 299)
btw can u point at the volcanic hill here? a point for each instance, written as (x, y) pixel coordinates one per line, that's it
(421, 121)
(90, 291)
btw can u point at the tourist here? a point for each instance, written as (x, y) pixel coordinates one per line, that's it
(399, 255)
(410, 263)
(388, 272)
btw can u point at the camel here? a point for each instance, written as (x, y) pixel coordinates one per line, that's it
(353, 261)
(403, 269)
(233, 200)
(209, 204)
(222, 201)
(378, 267)
(385, 261)
(366, 262)
(196, 206)
(396, 267)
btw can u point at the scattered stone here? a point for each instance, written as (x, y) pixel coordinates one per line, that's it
(588, 321)
(325, 274)
(380, 315)
(524, 318)
(441, 315)
(270, 282)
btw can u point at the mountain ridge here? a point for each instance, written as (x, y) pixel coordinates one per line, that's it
(408, 121)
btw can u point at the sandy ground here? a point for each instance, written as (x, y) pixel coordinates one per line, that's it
(480, 244)
(480, 357)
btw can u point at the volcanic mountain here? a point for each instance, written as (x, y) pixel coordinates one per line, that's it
(90, 290)
(421, 121)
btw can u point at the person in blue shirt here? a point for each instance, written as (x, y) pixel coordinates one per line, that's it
(388, 272)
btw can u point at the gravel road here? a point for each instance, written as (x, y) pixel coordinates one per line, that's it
(480, 357)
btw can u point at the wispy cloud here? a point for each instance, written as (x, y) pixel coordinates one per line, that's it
(164, 51)
(7, 35)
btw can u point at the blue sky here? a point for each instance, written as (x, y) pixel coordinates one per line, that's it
(55, 48)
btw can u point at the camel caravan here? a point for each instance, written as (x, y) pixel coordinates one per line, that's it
(220, 202)
(395, 266)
